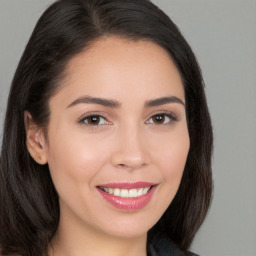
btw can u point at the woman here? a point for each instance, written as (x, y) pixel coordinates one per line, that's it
(107, 141)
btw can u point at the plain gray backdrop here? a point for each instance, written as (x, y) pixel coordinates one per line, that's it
(223, 37)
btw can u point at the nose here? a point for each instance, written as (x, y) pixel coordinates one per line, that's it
(130, 151)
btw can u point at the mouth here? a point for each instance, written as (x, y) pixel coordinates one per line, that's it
(127, 196)
(126, 193)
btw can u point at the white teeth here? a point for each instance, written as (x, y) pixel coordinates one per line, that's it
(133, 193)
(145, 190)
(125, 193)
(117, 192)
(140, 192)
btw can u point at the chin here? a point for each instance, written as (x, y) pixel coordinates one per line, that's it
(129, 226)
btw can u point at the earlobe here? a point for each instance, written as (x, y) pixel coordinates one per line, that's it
(35, 140)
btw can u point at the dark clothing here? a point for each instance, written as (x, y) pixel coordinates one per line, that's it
(165, 247)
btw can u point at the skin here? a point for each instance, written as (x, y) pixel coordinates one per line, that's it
(127, 145)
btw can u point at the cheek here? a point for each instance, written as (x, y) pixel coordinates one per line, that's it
(169, 155)
(74, 161)
(171, 158)
(174, 157)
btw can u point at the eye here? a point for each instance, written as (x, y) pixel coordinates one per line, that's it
(161, 118)
(94, 120)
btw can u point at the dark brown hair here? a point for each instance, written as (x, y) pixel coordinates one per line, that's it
(29, 208)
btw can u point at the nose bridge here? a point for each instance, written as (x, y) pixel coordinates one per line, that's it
(131, 150)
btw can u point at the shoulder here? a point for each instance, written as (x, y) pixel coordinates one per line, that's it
(163, 246)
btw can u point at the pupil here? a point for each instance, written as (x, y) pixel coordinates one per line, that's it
(94, 120)
(159, 119)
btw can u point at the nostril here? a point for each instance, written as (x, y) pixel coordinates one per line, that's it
(122, 165)
(130, 158)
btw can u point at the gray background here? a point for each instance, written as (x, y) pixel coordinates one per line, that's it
(223, 36)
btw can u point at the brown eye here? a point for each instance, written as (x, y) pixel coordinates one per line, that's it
(159, 119)
(162, 119)
(94, 120)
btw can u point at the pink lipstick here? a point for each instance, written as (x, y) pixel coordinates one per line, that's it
(127, 196)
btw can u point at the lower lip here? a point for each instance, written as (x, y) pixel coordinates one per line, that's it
(128, 203)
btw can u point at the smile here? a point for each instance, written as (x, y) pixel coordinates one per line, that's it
(127, 193)
(127, 196)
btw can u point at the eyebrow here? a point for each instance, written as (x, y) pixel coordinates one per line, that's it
(163, 100)
(94, 100)
(116, 104)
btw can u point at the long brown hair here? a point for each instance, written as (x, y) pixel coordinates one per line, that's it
(29, 208)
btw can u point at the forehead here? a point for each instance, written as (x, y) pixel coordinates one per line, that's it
(114, 67)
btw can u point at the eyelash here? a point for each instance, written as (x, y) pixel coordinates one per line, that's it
(94, 126)
(172, 118)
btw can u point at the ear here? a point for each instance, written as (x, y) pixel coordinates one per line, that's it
(35, 140)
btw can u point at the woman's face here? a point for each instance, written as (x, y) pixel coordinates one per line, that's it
(117, 138)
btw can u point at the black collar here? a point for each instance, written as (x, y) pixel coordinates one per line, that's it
(163, 246)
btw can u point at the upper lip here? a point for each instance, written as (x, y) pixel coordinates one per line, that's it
(127, 185)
